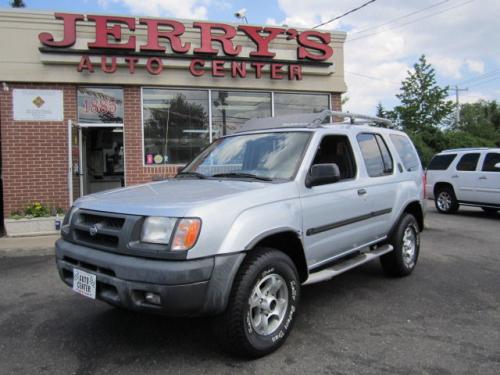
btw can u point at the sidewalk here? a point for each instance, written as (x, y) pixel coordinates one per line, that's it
(26, 246)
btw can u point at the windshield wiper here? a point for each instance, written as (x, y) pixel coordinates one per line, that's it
(243, 175)
(191, 174)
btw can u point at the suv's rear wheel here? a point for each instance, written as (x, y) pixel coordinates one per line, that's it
(406, 242)
(262, 305)
(445, 200)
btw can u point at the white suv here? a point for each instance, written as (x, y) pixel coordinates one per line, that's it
(466, 176)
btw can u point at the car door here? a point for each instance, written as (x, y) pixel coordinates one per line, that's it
(330, 212)
(489, 179)
(380, 185)
(465, 178)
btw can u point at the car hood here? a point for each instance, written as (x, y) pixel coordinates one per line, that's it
(172, 197)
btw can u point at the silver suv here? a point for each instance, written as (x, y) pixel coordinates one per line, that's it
(287, 202)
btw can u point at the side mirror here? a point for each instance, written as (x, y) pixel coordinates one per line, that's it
(497, 166)
(321, 174)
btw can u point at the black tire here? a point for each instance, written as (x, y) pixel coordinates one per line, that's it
(396, 263)
(234, 327)
(490, 210)
(445, 200)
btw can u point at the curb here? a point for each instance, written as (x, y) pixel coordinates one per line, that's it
(15, 253)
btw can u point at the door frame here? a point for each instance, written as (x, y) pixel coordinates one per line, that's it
(80, 149)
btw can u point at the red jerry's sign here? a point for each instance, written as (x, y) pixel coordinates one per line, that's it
(217, 53)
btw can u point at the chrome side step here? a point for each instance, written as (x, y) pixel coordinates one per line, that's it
(350, 263)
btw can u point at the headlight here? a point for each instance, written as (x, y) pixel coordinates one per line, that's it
(157, 229)
(68, 217)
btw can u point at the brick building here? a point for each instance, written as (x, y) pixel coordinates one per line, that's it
(92, 102)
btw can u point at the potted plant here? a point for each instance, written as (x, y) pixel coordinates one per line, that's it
(34, 219)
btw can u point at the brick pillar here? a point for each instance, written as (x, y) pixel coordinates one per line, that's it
(336, 101)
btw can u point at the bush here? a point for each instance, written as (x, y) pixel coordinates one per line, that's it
(36, 209)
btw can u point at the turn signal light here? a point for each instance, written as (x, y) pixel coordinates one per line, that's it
(186, 234)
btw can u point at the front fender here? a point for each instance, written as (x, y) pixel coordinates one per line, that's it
(258, 222)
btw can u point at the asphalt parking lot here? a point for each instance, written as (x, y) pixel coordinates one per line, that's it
(443, 319)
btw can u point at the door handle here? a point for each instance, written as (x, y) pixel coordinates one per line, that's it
(454, 176)
(483, 178)
(362, 191)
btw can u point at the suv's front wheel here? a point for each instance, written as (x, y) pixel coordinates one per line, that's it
(262, 305)
(445, 200)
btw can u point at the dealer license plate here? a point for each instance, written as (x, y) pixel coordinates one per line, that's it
(84, 283)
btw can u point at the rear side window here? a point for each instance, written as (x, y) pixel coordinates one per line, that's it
(441, 162)
(406, 152)
(373, 155)
(468, 162)
(490, 160)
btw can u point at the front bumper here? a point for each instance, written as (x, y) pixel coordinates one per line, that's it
(186, 287)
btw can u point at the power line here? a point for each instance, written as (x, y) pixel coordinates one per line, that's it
(373, 78)
(482, 76)
(401, 17)
(484, 82)
(413, 21)
(345, 14)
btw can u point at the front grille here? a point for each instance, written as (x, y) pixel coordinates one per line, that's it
(105, 221)
(104, 240)
(99, 230)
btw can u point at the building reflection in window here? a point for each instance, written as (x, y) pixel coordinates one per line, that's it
(231, 109)
(176, 125)
(293, 103)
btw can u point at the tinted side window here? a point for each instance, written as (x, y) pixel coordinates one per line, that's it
(468, 162)
(441, 162)
(406, 152)
(337, 149)
(490, 160)
(371, 154)
(386, 155)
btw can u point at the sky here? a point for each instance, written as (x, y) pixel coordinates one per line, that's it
(461, 38)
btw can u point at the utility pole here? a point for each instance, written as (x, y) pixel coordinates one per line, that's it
(457, 103)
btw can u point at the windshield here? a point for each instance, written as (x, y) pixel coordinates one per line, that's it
(265, 156)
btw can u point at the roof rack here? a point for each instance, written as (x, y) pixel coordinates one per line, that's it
(310, 120)
(351, 116)
(467, 149)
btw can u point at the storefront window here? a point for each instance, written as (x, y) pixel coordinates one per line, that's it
(100, 105)
(290, 103)
(175, 125)
(231, 109)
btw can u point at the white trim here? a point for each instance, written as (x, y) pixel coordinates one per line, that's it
(80, 158)
(210, 131)
(107, 125)
(272, 103)
(143, 154)
(70, 162)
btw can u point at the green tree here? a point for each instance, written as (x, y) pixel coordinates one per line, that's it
(380, 111)
(423, 103)
(480, 120)
(17, 4)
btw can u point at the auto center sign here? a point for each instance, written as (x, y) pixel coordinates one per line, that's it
(217, 53)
